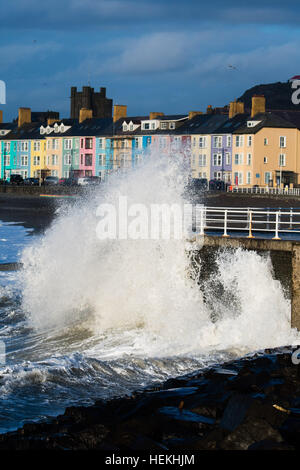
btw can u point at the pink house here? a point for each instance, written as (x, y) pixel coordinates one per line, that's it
(87, 156)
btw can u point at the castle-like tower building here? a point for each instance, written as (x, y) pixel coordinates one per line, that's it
(89, 99)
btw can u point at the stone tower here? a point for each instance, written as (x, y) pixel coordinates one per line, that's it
(89, 99)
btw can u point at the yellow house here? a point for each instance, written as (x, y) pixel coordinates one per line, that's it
(38, 157)
(266, 151)
(200, 155)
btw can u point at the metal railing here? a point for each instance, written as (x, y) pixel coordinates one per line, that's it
(249, 222)
(265, 190)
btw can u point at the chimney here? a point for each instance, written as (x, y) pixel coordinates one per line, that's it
(258, 105)
(84, 114)
(153, 115)
(24, 116)
(1, 116)
(194, 113)
(209, 109)
(236, 107)
(120, 111)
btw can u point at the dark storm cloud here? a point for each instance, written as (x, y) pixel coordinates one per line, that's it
(68, 14)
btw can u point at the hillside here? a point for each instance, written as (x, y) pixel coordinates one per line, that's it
(278, 96)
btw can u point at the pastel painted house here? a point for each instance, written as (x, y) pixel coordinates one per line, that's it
(104, 157)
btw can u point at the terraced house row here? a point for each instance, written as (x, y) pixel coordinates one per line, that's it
(260, 148)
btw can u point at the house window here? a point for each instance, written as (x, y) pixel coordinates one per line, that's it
(67, 159)
(267, 177)
(217, 141)
(54, 160)
(266, 141)
(101, 160)
(24, 160)
(24, 147)
(238, 159)
(265, 159)
(81, 159)
(248, 177)
(227, 158)
(282, 142)
(228, 141)
(202, 142)
(68, 144)
(282, 159)
(202, 159)
(6, 160)
(249, 140)
(54, 144)
(36, 160)
(88, 159)
(137, 142)
(217, 159)
(239, 140)
(88, 143)
(249, 159)
(101, 143)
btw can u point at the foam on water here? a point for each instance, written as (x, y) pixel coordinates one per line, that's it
(140, 289)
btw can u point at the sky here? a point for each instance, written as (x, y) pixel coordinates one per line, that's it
(171, 56)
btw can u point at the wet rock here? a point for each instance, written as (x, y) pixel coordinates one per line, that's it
(235, 411)
(252, 430)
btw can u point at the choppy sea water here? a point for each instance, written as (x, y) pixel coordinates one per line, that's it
(87, 318)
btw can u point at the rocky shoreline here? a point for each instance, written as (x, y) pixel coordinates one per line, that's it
(248, 404)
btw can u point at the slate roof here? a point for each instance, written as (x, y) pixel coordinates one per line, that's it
(202, 124)
(268, 119)
(28, 131)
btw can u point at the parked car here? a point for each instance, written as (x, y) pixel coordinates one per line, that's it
(16, 179)
(84, 181)
(94, 180)
(32, 181)
(49, 180)
(68, 181)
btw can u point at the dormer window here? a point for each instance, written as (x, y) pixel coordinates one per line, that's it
(163, 125)
(125, 127)
(252, 123)
(62, 128)
(48, 129)
(131, 126)
(172, 125)
(42, 130)
(146, 125)
(56, 128)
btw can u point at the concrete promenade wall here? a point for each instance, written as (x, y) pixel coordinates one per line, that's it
(38, 190)
(285, 257)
